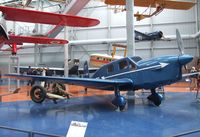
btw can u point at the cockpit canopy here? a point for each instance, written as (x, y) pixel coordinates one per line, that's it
(118, 66)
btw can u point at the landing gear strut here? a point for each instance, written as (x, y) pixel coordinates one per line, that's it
(155, 97)
(119, 100)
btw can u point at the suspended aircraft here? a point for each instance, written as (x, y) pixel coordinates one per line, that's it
(98, 60)
(124, 74)
(159, 6)
(152, 36)
(31, 16)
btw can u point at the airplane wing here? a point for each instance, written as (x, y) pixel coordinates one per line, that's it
(32, 16)
(86, 82)
(191, 74)
(38, 40)
(168, 4)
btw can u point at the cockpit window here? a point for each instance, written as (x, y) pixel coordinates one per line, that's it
(123, 64)
(136, 58)
(132, 66)
(110, 68)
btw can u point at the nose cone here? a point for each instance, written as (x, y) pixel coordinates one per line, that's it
(184, 59)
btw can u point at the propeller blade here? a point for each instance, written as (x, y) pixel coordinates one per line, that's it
(185, 67)
(179, 42)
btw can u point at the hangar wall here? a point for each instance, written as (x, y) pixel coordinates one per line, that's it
(113, 26)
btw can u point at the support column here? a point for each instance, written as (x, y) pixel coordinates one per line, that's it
(66, 67)
(35, 55)
(66, 57)
(40, 31)
(36, 31)
(130, 32)
(151, 48)
(13, 67)
(14, 26)
(130, 28)
(109, 29)
(198, 25)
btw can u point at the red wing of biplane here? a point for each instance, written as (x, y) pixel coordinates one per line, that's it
(32, 16)
(15, 14)
(13, 41)
(19, 40)
(168, 4)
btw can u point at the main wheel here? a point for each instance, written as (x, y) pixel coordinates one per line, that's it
(155, 98)
(38, 94)
(120, 102)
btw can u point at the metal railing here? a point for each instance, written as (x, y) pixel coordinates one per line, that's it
(30, 133)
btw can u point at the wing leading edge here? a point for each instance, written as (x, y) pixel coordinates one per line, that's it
(191, 74)
(32, 16)
(168, 4)
(123, 84)
(30, 39)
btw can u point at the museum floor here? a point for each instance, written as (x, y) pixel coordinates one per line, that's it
(178, 113)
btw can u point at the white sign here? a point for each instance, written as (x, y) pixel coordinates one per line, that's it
(77, 129)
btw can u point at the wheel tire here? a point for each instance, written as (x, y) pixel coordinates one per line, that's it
(155, 98)
(122, 108)
(120, 102)
(38, 94)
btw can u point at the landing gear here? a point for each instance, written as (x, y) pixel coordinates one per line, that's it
(59, 89)
(155, 97)
(119, 101)
(38, 94)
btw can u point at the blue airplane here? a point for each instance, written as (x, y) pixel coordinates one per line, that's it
(156, 35)
(126, 74)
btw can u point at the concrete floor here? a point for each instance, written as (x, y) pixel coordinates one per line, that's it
(179, 112)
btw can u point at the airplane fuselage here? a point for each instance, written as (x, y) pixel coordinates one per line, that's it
(145, 74)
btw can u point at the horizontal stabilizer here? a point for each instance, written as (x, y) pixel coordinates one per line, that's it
(191, 74)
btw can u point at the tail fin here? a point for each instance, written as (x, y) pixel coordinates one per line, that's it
(85, 70)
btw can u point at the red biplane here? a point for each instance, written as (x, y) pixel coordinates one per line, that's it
(159, 6)
(15, 14)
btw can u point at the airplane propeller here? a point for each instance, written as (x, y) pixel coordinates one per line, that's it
(180, 44)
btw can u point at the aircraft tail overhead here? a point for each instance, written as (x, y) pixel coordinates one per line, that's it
(85, 70)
